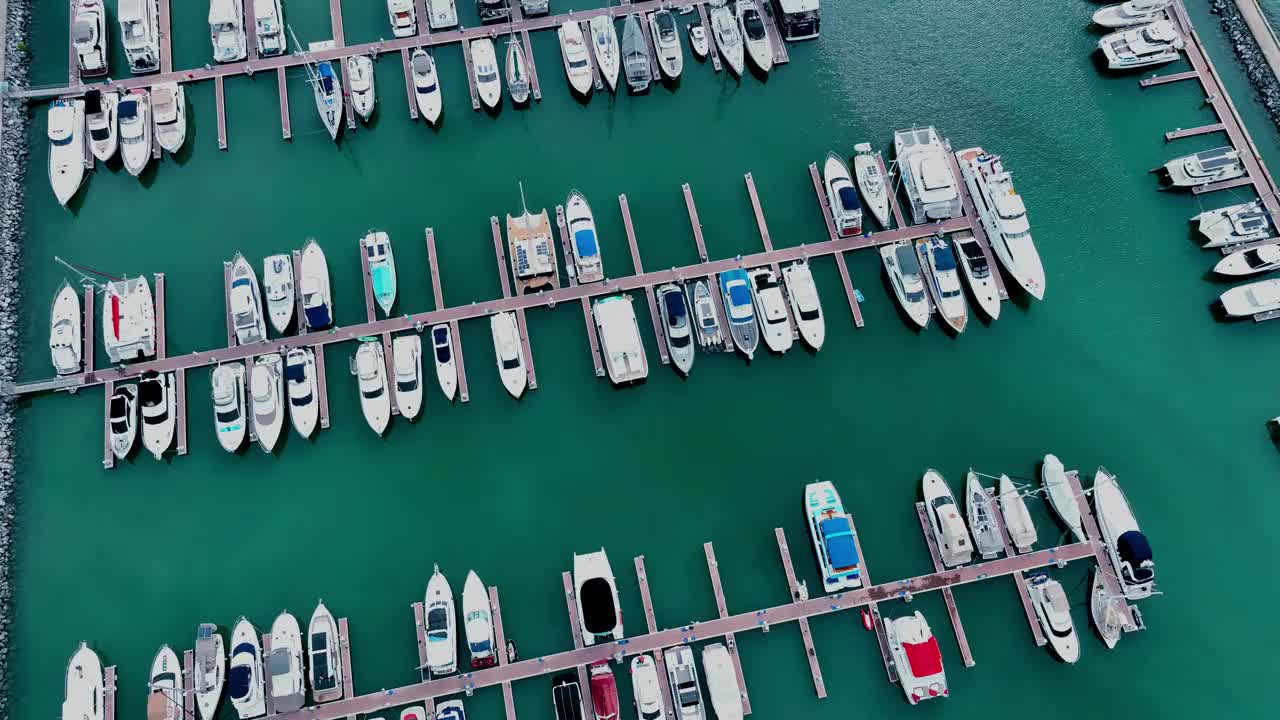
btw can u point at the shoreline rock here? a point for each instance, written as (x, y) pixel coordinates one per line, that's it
(1250, 56)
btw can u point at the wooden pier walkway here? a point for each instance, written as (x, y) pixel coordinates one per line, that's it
(286, 124)
(877, 621)
(471, 75)
(188, 682)
(642, 577)
(1192, 132)
(437, 291)
(767, 241)
(163, 18)
(1170, 78)
(894, 207)
(592, 340)
(220, 99)
(158, 299)
(712, 51)
(109, 693)
(86, 332)
(658, 331)
(713, 567)
(408, 84)
(851, 293)
(948, 597)
(793, 589)
(712, 283)
(654, 69)
(508, 700)
(576, 628)
(592, 60)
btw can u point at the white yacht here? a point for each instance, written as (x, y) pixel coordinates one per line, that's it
(441, 630)
(759, 47)
(477, 623)
(165, 691)
(604, 40)
(1016, 516)
(1205, 167)
(1065, 504)
(981, 513)
(1154, 44)
(767, 295)
(931, 187)
(1004, 217)
(317, 301)
(65, 336)
(917, 658)
(370, 370)
(596, 593)
(846, 209)
(157, 400)
(1252, 261)
(740, 310)
(1106, 610)
(128, 320)
(509, 352)
(949, 531)
(169, 108)
(518, 82)
(871, 183)
(728, 39)
(268, 17)
(446, 366)
(620, 342)
(89, 37)
(284, 665)
(246, 303)
(102, 123)
(245, 678)
(404, 18)
(1054, 613)
(229, 405)
(443, 14)
(122, 416)
(426, 85)
(83, 697)
(583, 240)
(835, 545)
(277, 281)
(722, 682)
(682, 678)
(140, 34)
(1133, 12)
(666, 41)
(677, 326)
(706, 317)
(324, 656)
(977, 272)
(698, 40)
(1234, 224)
(301, 384)
(904, 276)
(209, 673)
(376, 246)
(1254, 298)
(488, 78)
(363, 93)
(635, 55)
(266, 387)
(806, 307)
(646, 688)
(133, 114)
(406, 359)
(944, 281)
(577, 65)
(326, 86)
(68, 148)
(1129, 549)
(226, 30)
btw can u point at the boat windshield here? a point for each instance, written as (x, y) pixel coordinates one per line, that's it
(510, 363)
(578, 63)
(688, 693)
(751, 21)
(437, 619)
(228, 416)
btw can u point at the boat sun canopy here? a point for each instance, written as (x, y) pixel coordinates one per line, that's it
(838, 537)
(1135, 550)
(924, 657)
(238, 681)
(598, 612)
(848, 198)
(674, 303)
(585, 241)
(944, 259)
(738, 295)
(295, 373)
(128, 109)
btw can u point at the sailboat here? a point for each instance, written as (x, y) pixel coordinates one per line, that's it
(604, 40)
(517, 71)
(327, 87)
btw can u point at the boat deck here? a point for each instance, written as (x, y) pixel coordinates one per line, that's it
(948, 597)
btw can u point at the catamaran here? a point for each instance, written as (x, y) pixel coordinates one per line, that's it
(1017, 519)
(846, 210)
(245, 678)
(577, 65)
(949, 531)
(1139, 47)
(101, 120)
(210, 670)
(759, 47)
(376, 246)
(122, 417)
(531, 250)
(903, 268)
(806, 307)
(442, 642)
(620, 342)
(509, 352)
(767, 295)
(596, 593)
(229, 405)
(324, 661)
(301, 386)
(317, 301)
(917, 658)
(83, 690)
(1129, 549)
(871, 182)
(676, 326)
(65, 339)
(832, 533)
(406, 359)
(1054, 613)
(446, 367)
(944, 281)
(981, 513)
(364, 94)
(68, 148)
(706, 317)
(1003, 216)
(226, 30)
(426, 86)
(517, 71)
(666, 41)
(169, 108)
(165, 689)
(604, 40)
(926, 174)
(735, 287)
(89, 37)
(266, 388)
(728, 39)
(157, 400)
(128, 320)
(583, 239)
(1234, 224)
(277, 280)
(370, 370)
(484, 58)
(134, 113)
(268, 18)
(635, 55)
(477, 621)
(1064, 502)
(977, 272)
(284, 665)
(140, 34)
(246, 303)
(1205, 167)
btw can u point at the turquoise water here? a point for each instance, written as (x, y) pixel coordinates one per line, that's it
(1122, 364)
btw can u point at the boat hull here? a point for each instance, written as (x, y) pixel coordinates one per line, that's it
(1064, 502)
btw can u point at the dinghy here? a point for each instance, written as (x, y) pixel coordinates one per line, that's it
(169, 108)
(210, 670)
(698, 40)
(488, 81)
(1061, 499)
(426, 86)
(317, 301)
(871, 183)
(759, 46)
(406, 359)
(302, 387)
(324, 661)
(157, 399)
(635, 55)
(68, 150)
(284, 665)
(1017, 518)
(65, 339)
(363, 93)
(376, 246)
(477, 620)
(728, 39)
(370, 370)
(604, 40)
(83, 691)
(164, 688)
(134, 113)
(982, 524)
(806, 307)
(103, 126)
(229, 405)
(577, 66)
(277, 280)
(446, 368)
(122, 416)
(677, 327)
(266, 387)
(246, 303)
(244, 679)
(517, 71)
(441, 620)
(666, 41)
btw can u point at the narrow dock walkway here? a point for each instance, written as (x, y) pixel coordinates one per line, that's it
(166, 43)
(534, 85)
(1224, 185)
(1192, 132)
(220, 98)
(266, 690)
(250, 35)
(592, 340)
(712, 49)
(109, 693)
(188, 682)
(850, 293)
(591, 56)
(437, 292)
(180, 414)
(780, 56)
(344, 643)
(712, 283)
(654, 69)
(576, 628)
(877, 620)
(471, 75)
(158, 299)
(763, 228)
(713, 567)
(408, 84)
(1094, 536)
(1170, 78)
(948, 597)
(648, 289)
(642, 577)
(508, 701)
(420, 629)
(108, 457)
(894, 207)
(86, 332)
(1019, 581)
(286, 125)
(793, 590)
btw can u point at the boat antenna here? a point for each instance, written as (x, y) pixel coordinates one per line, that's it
(84, 271)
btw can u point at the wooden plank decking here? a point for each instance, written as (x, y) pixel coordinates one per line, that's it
(948, 597)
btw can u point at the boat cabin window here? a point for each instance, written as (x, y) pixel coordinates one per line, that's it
(510, 363)
(580, 63)
(301, 400)
(687, 691)
(372, 394)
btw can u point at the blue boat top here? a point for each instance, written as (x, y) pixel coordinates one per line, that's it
(837, 536)
(584, 241)
(384, 280)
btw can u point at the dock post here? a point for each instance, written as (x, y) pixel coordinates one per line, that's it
(86, 334)
(947, 596)
(108, 457)
(651, 623)
(805, 634)
(344, 642)
(576, 628)
(882, 638)
(648, 289)
(507, 700)
(763, 228)
(286, 125)
(220, 98)
(713, 567)
(1019, 580)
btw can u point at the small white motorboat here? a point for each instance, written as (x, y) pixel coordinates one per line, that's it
(1152, 44)
(1054, 613)
(806, 307)
(326, 86)
(1252, 299)
(775, 326)
(1106, 610)
(977, 272)
(944, 281)
(363, 92)
(1064, 502)
(577, 65)
(244, 678)
(1016, 516)
(442, 14)
(268, 19)
(301, 385)
(621, 348)
(426, 86)
(917, 658)
(157, 399)
(488, 79)
(89, 37)
(65, 335)
(102, 123)
(1133, 12)
(728, 39)
(949, 531)
(404, 17)
(324, 661)
(266, 387)
(707, 318)
(169, 108)
(722, 682)
(846, 209)
(226, 30)
(68, 149)
(509, 352)
(441, 621)
(1129, 549)
(596, 592)
(209, 673)
(981, 513)
(376, 246)
(740, 310)
(229, 405)
(759, 47)
(446, 367)
(246, 303)
(123, 419)
(604, 41)
(698, 40)
(370, 370)
(677, 325)
(904, 276)
(666, 41)
(1252, 261)
(277, 281)
(1205, 167)
(871, 183)
(165, 690)
(83, 692)
(1234, 224)
(477, 622)
(284, 665)
(518, 83)
(406, 359)
(317, 301)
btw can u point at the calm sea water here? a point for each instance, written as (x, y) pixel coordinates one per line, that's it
(1123, 364)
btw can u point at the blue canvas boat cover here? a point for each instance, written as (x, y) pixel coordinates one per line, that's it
(674, 302)
(439, 335)
(382, 280)
(849, 198)
(585, 240)
(238, 681)
(325, 72)
(943, 258)
(738, 295)
(295, 373)
(838, 538)
(127, 109)
(1135, 550)
(318, 316)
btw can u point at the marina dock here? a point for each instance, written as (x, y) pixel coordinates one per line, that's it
(574, 628)
(1024, 596)
(712, 50)
(877, 620)
(712, 283)
(794, 588)
(86, 332)
(648, 290)
(763, 228)
(730, 642)
(948, 597)
(592, 340)
(651, 623)
(408, 84)
(437, 292)
(286, 126)
(109, 693)
(471, 75)
(508, 700)
(220, 97)
(188, 679)
(166, 42)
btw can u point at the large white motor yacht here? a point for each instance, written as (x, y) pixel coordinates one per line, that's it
(948, 528)
(917, 658)
(1054, 613)
(226, 30)
(1004, 217)
(903, 267)
(1139, 47)
(1129, 549)
(931, 187)
(68, 148)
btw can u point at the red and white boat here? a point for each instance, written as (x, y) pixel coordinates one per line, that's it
(604, 691)
(128, 320)
(917, 657)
